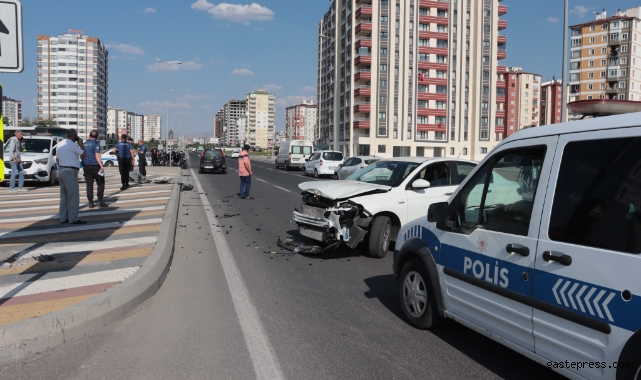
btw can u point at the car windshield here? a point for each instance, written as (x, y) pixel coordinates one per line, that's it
(33, 146)
(213, 153)
(333, 156)
(302, 150)
(389, 173)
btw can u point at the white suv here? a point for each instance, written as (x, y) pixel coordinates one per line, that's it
(539, 249)
(38, 159)
(323, 162)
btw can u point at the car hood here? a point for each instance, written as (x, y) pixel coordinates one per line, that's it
(342, 189)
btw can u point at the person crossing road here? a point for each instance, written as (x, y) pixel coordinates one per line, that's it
(125, 152)
(93, 169)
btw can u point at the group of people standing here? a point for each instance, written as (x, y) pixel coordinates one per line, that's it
(127, 158)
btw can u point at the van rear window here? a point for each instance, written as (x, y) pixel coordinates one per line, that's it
(306, 150)
(333, 156)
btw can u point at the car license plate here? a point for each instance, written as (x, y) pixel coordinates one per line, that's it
(209, 167)
(332, 167)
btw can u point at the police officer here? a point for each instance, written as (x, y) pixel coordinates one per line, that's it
(94, 171)
(142, 160)
(126, 159)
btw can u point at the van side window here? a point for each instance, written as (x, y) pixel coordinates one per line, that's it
(503, 200)
(597, 201)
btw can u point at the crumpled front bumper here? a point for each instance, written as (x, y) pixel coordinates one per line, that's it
(326, 226)
(311, 220)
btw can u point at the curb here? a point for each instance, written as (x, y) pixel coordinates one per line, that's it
(35, 335)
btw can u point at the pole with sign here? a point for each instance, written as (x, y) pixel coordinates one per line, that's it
(11, 54)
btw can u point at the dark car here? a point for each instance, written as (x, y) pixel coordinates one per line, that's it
(213, 160)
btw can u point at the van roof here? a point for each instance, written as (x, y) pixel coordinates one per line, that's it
(587, 125)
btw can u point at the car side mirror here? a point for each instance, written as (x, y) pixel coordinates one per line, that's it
(340, 165)
(420, 184)
(437, 212)
(307, 160)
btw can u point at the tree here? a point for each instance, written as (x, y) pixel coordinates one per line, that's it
(48, 122)
(5, 120)
(26, 122)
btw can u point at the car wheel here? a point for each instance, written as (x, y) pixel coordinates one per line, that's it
(336, 177)
(315, 173)
(379, 236)
(305, 172)
(276, 164)
(224, 171)
(52, 178)
(200, 171)
(109, 164)
(416, 295)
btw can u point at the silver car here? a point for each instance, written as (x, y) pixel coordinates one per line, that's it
(352, 165)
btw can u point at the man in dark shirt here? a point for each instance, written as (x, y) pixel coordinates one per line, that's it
(142, 159)
(126, 159)
(94, 171)
(154, 156)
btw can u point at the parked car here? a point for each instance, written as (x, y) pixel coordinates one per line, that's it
(539, 248)
(323, 162)
(292, 154)
(352, 165)
(213, 160)
(38, 159)
(376, 201)
(235, 153)
(110, 159)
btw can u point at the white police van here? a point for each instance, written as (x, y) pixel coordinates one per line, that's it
(550, 266)
(38, 159)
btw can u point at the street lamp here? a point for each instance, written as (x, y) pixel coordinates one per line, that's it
(180, 126)
(168, 63)
(564, 79)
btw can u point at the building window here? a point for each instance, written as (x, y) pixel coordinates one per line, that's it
(420, 151)
(604, 39)
(483, 150)
(465, 151)
(381, 148)
(590, 75)
(451, 151)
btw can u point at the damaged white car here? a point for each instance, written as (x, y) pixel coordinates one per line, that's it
(373, 203)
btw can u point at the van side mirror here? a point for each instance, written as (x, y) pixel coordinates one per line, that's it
(307, 160)
(437, 212)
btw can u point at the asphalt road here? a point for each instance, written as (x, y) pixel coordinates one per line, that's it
(330, 317)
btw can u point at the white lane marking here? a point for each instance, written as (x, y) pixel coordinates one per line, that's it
(40, 208)
(76, 228)
(107, 197)
(282, 188)
(262, 355)
(62, 283)
(36, 193)
(83, 213)
(66, 247)
(269, 183)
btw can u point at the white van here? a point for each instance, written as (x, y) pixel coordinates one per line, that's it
(292, 154)
(38, 159)
(539, 249)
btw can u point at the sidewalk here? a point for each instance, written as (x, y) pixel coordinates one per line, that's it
(47, 266)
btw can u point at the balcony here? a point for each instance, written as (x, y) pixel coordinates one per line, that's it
(431, 112)
(432, 65)
(361, 124)
(501, 69)
(362, 107)
(432, 96)
(501, 54)
(501, 84)
(500, 129)
(438, 4)
(436, 35)
(439, 50)
(500, 98)
(502, 40)
(363, 60)
(435, 81)
(363, 75)
(363, 91)
(364, 10)
(431, 127)
(502, 10)
(433, 20)
(363, 42)
(500, 113)
(502, 24)
(363, 27)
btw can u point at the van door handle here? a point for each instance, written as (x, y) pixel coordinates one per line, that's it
(561, 259)
(523, 251)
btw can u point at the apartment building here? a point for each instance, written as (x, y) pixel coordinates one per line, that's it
(522, 91)
(153, 126)
(218, 126)
(261, 111)
(413, 77)
(241, 129)
(301, 121)
(118, 121)
(136, 127)
(232, 110)
(12, 110)
(552, 102)
(603, 57)
(72, 81)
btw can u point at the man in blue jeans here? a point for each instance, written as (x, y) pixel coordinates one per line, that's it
(245, 173)
(15, 147)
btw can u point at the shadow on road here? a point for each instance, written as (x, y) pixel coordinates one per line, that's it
(384, 289)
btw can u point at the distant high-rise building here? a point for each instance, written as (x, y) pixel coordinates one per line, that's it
(170, 135)
(241, 129)
(232, 110)
(551, 102)
(118, 122)
(153, 125)
(136, 127)
(602, 57)
(261, 111)
(72, 81)
(522, 102)
(301, 121)
(12, 110)
(414, 77)
(218, 126)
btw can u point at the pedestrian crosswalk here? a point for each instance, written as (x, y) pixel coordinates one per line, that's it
(46, 266)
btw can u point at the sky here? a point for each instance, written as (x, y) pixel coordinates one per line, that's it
(230, 49)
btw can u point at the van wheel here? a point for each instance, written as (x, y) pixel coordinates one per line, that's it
(416, 295)
(109, 164)
(315, 173)
(304, 172)
(336, 177)
(276, 164)
(379, 236)
(52, 178)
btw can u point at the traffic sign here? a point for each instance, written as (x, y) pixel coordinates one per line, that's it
(11, 49)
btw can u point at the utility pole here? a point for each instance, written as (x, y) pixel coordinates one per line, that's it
(564, 79)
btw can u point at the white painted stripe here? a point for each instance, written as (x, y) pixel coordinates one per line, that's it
(55, 284)
(82, 213)
(282, 188)
(35, 193)
(260, 351)
(77, 228)
(107, 196)
(40, 208)
(66, 247)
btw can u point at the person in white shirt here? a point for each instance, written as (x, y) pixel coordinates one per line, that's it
(68, 158)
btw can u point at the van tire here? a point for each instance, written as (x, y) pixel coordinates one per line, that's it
(305, 172)
(380, 235)
(316, 173)
(336, 177)
(52, 178)
(415, 273)
(287, 167)
(276, 163)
